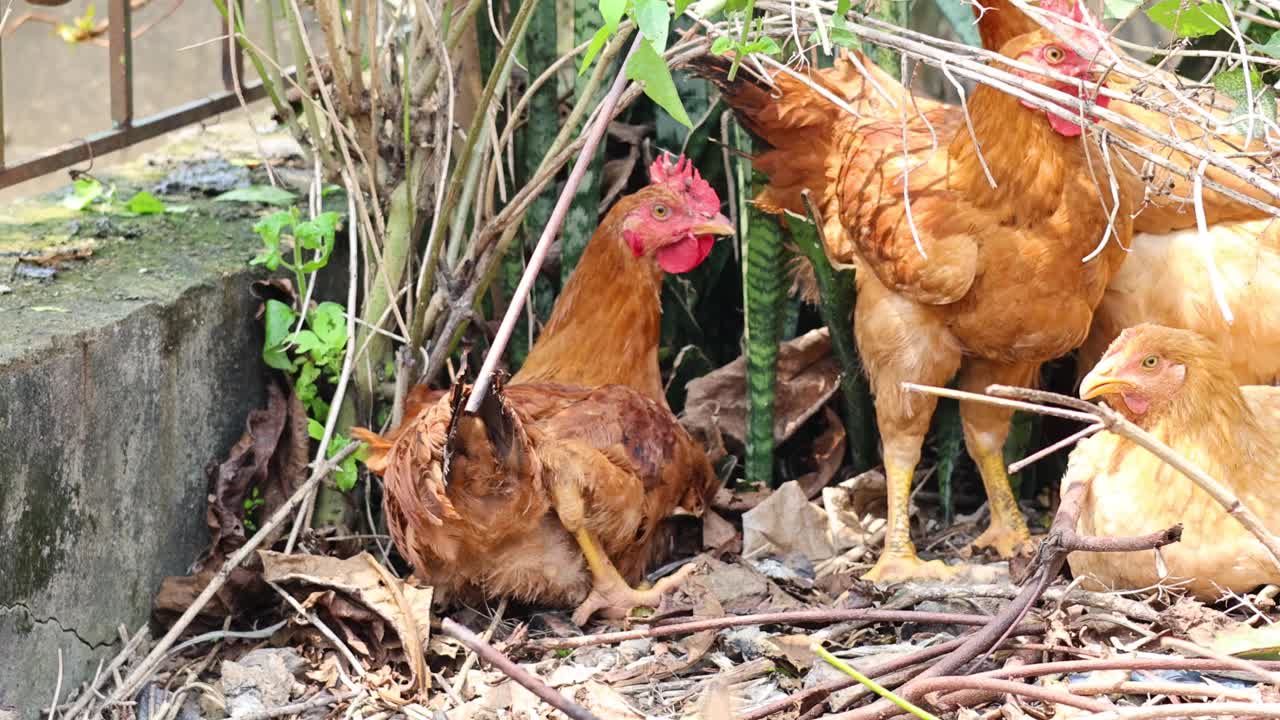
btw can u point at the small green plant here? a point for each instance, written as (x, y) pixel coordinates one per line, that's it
(311, 351)
(346, 475)
(251, 505)
(316, 235)
(89, 193)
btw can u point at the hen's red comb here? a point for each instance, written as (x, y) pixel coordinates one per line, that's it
(1075, 10)
(681, 176)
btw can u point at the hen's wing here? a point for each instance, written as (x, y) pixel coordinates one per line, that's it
(1164, 281)
(899, 212)
(643, 460)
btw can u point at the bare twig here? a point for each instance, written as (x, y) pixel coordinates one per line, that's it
(791, 617)
(526, 679)
(593, 136)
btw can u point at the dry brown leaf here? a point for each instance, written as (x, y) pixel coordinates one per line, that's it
(270, 457)
(719, 536)
(827, 455)
(604, 702)
(786, 523)
(58, 254)
(808, 376)
(856, 509)
(358, 579)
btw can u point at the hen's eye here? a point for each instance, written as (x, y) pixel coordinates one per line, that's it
(1054, 54)
(661, 212)
(1150, 361)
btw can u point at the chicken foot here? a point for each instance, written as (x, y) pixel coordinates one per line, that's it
(986, 427)
(610, 594)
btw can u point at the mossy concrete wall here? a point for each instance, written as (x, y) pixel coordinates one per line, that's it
(120, 379)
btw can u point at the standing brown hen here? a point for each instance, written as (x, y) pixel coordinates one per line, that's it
(552, 491)
(957, 272)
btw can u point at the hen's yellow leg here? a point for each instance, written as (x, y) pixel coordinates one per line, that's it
(986, 427)
(610, 594)
(898, 561)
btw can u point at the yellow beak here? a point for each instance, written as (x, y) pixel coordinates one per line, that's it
(718, 225)
(1100, 381)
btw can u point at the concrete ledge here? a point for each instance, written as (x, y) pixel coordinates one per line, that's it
(119, 381)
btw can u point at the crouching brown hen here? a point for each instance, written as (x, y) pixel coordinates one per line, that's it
(1178, 386)
(553, 490)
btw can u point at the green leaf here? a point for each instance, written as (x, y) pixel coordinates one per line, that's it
(612, 10)
(654, 18)
(597, 44)
(277, 322)
(315, 429)
(1119, 9)
(265, 194)
(722, 45)
(1272, 47)
(840, 36)
(144, 203)
(304, 341)
(763, 44)
(681, 6)
(1198, 19)
(84, 191)
(647, 66)
(1231, 83)
(328, 320)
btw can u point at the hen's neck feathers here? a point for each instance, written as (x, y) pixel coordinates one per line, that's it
(1211, 423)
(605, 326)
(1036, 170)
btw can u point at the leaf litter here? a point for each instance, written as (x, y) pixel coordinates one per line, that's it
(334, 632)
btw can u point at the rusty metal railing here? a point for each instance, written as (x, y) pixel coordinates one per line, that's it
(125, 131)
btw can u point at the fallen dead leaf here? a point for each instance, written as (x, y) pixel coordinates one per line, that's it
(856, 509)
(719, 536)
(808, 376)
(270, 457)
(358, 579)
(827, 455)
(605, 702)
(64, 252)
(786, 523)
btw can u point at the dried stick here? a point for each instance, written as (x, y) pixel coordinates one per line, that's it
(1051, 556)
(594, 134)
(1268, 710)
(149, 663)
(470, 661)
(791, 617)
(527, 680)
(992, 687)
(1235, 662)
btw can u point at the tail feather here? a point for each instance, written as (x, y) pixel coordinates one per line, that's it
(441, 459)
(797, 114)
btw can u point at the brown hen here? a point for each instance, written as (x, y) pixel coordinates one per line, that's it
(953, 275)
(1178, 386)
(552, 492)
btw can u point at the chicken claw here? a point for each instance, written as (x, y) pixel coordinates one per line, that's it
(611, 595)
(1006, 541)
(892, 567)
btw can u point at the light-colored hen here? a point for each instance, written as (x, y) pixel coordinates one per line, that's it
(1178, 386)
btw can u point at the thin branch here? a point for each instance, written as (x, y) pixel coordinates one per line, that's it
(526, 679)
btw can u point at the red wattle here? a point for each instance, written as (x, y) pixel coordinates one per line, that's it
(685, 254)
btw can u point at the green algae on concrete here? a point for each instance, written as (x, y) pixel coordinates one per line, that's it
(120, 379)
